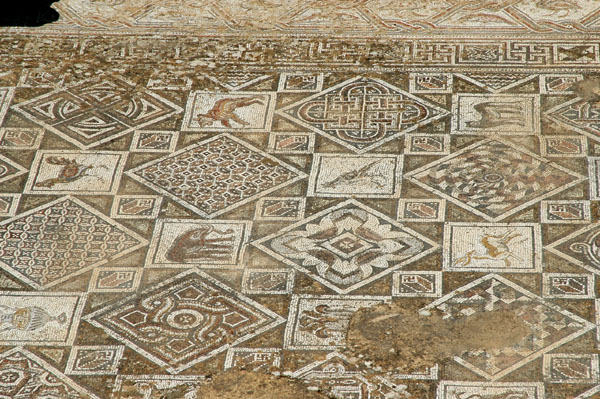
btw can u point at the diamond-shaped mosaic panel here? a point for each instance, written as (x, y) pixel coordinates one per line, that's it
(25, 376)
(494, 179)
(363, 113)
(184, 320)
(9, 169)
(346, 246)
(93, 112)
(549, 325)
(581, 115)
(60, 239)
(216, 175)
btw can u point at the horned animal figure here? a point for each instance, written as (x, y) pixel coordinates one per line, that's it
(223, 111)
(71, 170)
(496, 248)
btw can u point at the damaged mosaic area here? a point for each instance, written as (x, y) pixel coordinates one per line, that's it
(349, 199)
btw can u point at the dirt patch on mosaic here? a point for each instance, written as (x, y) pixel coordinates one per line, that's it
(396, 338)
(588, 89)
(250, 385)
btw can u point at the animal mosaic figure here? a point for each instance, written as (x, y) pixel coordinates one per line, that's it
(497, 114)
(576, 53)
(355, 176)
(223, 111)
(496, 248)
(71, 171)
(199, 244)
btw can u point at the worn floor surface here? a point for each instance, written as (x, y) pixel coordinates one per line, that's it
(198, 197)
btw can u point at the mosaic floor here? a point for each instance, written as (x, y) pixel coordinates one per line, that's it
(192, 188)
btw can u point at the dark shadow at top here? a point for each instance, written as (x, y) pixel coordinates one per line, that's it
(28, 13)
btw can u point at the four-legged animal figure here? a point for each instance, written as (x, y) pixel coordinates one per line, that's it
(496, 248)
(223, 111)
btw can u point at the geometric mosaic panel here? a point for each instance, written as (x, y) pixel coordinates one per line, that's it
(280, 208)
(216, 175)
(579, 115)
(496, 82)
(256, 359)
(154, 141)
(26, 376)
(346, 246)
(493, 178)
(421, 210)
(184, 320)
(571, 368)
(559, 83)
(93, 112)
(56, 241)
(136, 207)
(430, 83)
(362, 113)
(115, 279)
(9, 204)
(94, 360)
(9, 169)
(20, 138)
(563, 146)
(569, 285)
(292, 142)
(341, 378)
(468, 389)
(6, 95)
(300, 83)
(268, 281)
(426, 144)
(582, 248)
(594, 175)
(417, 284)
(157, 386)
(565, 211)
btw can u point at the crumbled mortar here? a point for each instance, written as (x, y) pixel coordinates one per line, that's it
(396, 338)
(235, 384)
